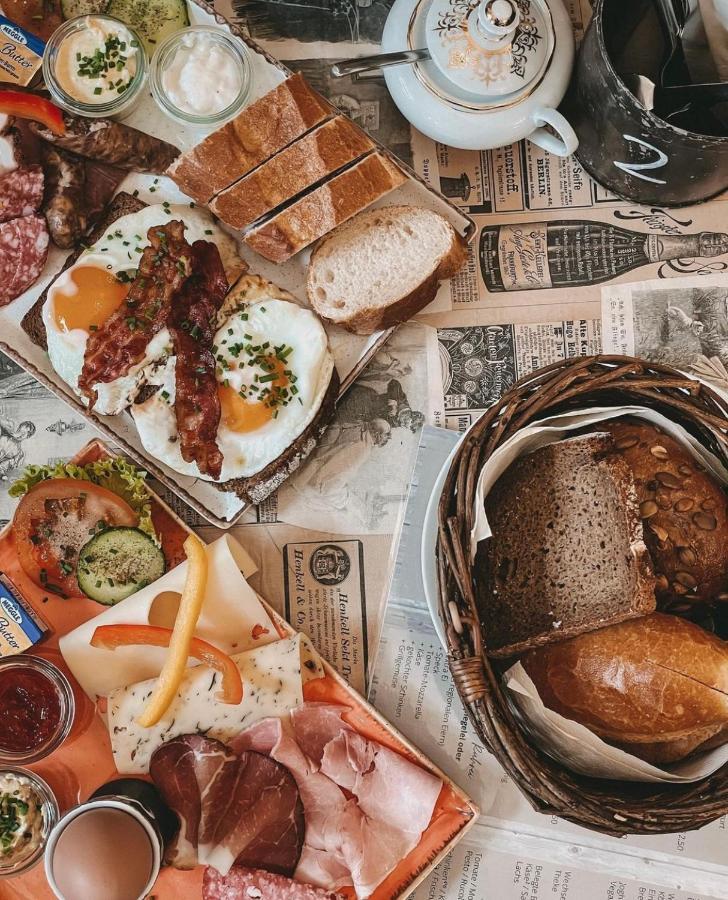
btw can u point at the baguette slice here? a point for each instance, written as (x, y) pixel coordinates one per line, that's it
(123, 204)
(257, 133)
(302, 165)
(330, 205)
(382, 267)
(567, 553)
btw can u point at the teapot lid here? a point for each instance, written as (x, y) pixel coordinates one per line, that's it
(490, 48)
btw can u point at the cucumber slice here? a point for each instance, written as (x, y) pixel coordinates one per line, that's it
(118, 562)
(153, 20)
(73, 8)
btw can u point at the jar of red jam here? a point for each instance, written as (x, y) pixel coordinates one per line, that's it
(36, 708)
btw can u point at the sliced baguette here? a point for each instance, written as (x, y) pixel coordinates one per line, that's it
(121, 205)
(302, 165)
(260, 131)
(567, 553)
(323, 209)
(382, 267)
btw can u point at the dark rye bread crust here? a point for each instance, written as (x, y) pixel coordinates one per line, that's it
(121, 205)
(256, 488)
(567, 553)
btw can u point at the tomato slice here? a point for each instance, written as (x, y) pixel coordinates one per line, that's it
(52, 523)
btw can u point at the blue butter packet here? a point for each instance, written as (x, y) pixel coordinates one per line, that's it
(20, 626)
(21, 53)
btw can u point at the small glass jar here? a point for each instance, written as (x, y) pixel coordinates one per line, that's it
(112, 106)
(49, 810)
(176, 64)
(59, 687)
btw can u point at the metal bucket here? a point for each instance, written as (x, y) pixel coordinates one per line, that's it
(626, 148)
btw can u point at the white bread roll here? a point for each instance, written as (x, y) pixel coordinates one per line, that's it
(656, 686)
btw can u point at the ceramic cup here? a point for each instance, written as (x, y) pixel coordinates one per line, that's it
(101, 879)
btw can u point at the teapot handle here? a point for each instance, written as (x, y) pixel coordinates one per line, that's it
(563, 143)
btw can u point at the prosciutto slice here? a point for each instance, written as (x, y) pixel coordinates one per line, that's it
(365, 805)
(254, 884)
(233, 807)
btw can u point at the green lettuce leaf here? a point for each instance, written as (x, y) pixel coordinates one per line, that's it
(116, 475)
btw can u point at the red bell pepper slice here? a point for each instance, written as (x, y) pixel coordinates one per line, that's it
(31, 106)
(109, 637)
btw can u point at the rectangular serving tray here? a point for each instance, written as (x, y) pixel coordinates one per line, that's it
(84, 762)
(352, 353)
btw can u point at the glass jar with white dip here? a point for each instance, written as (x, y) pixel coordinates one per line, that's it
(26, 799)
(95, 66)
(201, 76)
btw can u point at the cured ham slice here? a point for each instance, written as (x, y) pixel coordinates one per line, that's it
(242, 807)
(186, 771)
(254, 884)
(374, 773)
(263, 823)
(365, 805)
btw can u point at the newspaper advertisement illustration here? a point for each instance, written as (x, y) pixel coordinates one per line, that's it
(682, 324)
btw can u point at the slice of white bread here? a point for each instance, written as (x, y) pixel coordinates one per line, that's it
(300, 166)
(382, 267)
(314, 215)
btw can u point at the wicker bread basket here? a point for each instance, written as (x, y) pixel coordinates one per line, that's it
(612, 807)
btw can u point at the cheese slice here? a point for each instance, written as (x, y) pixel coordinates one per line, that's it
(230, 614)
(273, 678)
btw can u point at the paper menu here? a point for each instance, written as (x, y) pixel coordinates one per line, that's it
(230, 613)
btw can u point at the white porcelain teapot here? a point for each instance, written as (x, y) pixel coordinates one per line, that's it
(496, 73)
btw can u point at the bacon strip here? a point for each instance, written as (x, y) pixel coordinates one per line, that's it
(192, 326)
(120, 343)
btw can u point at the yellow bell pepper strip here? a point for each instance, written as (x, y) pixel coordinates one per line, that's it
(190, 606)
(25, 105)
(109, 637)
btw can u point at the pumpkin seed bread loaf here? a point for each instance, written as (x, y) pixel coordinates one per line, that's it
(567, 553)
(684, 513)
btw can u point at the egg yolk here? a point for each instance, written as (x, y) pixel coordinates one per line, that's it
(96, 295)
(243, 415)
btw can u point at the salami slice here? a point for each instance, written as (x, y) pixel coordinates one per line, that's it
(23, 252)
(246, 884)
(21, 192)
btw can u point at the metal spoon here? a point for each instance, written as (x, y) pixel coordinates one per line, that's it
(378, 61)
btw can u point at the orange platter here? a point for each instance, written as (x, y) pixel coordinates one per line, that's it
(84, 761)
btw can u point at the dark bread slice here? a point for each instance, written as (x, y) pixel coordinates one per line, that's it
(121, 205)
(567, 553)
(256, 488)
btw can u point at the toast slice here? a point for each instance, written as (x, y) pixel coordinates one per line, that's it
(121, 205)
(258, 132)
(302, 165)
(331, 204)
(567, 553)
(382, 267)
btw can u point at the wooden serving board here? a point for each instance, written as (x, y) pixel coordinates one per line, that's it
(84, 762)
(351, 352)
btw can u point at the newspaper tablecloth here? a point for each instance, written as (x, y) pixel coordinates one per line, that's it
(327, 543)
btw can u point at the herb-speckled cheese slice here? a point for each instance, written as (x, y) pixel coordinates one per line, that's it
(273, 678)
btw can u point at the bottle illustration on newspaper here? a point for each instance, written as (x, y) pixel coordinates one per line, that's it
(542, 255)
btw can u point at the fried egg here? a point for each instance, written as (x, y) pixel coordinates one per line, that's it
(83, 297)
(273, 369)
